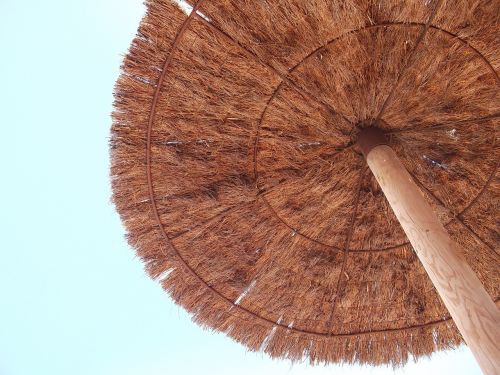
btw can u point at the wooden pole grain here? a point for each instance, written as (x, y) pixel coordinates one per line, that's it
(472, 309)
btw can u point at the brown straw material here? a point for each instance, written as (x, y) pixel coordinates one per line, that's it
(234, 171)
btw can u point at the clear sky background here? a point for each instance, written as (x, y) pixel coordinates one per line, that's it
(73, 297)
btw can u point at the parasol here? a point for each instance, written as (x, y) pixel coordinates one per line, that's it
(318, 179)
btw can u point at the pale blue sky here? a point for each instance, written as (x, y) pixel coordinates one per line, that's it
(74, 299)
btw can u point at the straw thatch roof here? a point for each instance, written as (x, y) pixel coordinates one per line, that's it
(234, 171)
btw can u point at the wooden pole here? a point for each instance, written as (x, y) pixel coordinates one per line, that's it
(473, 311)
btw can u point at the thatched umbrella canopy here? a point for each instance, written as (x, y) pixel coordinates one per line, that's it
(236, 173)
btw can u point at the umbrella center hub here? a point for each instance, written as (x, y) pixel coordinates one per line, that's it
(367, 135)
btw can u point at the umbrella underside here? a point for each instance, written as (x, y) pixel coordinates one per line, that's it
(234, 171)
